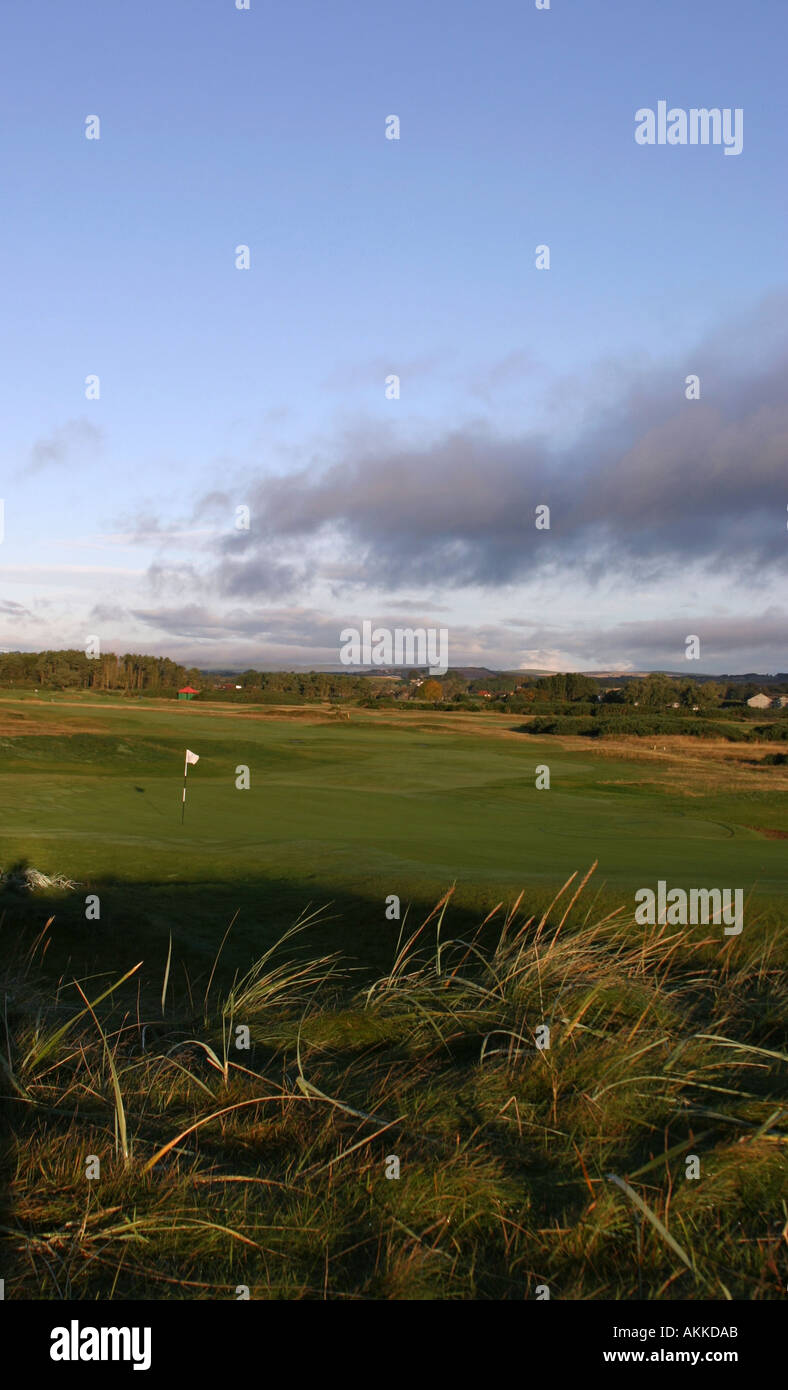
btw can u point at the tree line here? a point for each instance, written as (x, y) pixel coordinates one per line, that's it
(136, 672)
(73, 670)
(309, 685)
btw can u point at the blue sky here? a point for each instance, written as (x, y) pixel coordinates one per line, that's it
(370, 256)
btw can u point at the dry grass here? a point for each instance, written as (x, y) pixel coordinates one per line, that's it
(222, 1167)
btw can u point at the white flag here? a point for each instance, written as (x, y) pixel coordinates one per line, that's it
(192, 757)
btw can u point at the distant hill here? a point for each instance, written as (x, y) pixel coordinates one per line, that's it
(754, 677)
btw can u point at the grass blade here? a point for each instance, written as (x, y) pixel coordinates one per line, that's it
(166, 977)
(650, 1216)
(120, 1113)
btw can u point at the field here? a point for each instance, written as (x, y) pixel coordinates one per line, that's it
(351, 810)
(505, 1151)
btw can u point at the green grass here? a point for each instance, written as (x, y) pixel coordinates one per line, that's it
(367, 807)
(267, 1167)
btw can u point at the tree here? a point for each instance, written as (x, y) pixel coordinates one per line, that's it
(658, 690)
(431, 690)
(690, 695)
(711, 693)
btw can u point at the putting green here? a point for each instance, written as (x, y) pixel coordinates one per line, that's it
(370, 805)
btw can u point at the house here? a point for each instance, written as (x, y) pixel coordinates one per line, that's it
(760, 701)
(782, 701)
(187, 693)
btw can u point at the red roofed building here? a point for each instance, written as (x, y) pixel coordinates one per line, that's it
(188, 693)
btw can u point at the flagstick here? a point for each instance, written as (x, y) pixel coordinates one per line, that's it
(190, 758)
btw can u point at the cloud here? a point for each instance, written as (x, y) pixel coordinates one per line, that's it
(650, 483)
(730, 643)
(285, 627)
(517, 369)
(301, 637)
(145, 528)
(15, 611)
(262, 576)
(173, 580)
(659, 506)
(78, 437)
(214, 504)
(720, 637)
(106, 613)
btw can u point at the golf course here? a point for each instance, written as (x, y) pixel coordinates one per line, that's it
(230, 1020)
(355, 806)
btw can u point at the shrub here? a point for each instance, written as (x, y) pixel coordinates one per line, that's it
(618, 720)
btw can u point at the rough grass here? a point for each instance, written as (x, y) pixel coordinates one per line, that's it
(223, 1167)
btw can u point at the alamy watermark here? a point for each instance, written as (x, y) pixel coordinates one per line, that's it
(76, 1343)
(697, 126)
(401, 646)
(677, 907)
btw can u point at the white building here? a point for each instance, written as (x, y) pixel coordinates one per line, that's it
(760, 701)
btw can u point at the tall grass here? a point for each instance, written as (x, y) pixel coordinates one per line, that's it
(519, 1166)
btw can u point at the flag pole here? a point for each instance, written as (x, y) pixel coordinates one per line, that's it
(190, 758)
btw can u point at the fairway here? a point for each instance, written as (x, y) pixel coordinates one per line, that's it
(359, 808)
(371, 1035)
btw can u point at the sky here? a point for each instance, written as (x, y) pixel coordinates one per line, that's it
(270, 387)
